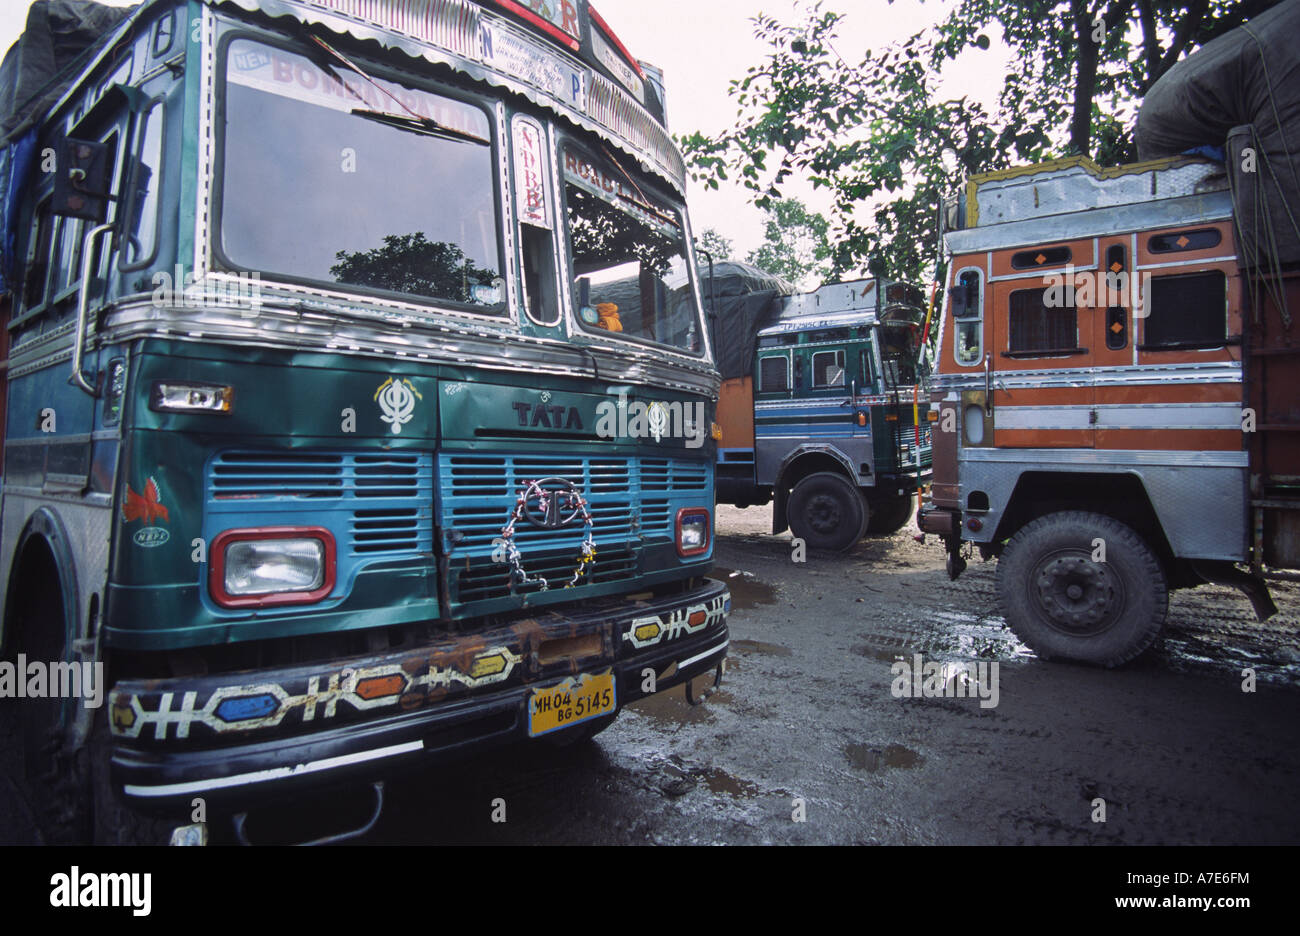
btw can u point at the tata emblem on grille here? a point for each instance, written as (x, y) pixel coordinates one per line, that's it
(396, 399)
(552, 503)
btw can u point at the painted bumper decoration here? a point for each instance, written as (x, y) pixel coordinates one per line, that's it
(653, 629)
(265, 705)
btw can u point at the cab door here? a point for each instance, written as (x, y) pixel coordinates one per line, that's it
(1039, 355)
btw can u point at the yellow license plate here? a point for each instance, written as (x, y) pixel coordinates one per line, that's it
(575, 700)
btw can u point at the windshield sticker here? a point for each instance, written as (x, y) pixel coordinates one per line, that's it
(530, 173)
(618, 191)
(276, 71)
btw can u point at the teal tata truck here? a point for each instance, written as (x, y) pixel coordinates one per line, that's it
(306, 361)
(819, 402)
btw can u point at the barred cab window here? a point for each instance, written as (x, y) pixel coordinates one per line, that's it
(1188, 311)
(773, 374)
(1039, 324)
(828, 369)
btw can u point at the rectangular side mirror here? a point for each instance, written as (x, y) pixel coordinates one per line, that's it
(82, 181)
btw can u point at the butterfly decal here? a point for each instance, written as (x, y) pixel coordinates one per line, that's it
(146, 506)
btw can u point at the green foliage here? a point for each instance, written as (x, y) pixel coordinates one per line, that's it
(410, 263)
(717, 246)
(879, 136)
(795, 245)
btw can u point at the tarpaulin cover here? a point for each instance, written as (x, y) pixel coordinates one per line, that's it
(58, 40)
(37, 69)
(1241, 92)
(739, 299)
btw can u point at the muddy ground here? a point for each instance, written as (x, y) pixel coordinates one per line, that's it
(806, 725)
(1177, 750)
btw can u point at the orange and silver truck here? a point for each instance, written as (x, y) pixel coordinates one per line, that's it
(1115, 408)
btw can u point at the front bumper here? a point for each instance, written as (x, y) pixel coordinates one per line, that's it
(239, 738)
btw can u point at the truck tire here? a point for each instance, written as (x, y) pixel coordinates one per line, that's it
(115, 823)
(55, 780)
(827, 512)
(1065, 606)
(889, 514)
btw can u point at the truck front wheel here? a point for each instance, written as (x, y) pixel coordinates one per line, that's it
(889, 514)
(827, 512)
(1084, 587)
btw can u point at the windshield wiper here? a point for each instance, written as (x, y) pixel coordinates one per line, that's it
(416, 123)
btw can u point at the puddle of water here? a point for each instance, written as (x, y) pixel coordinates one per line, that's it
(684, 776)
(746, 591)
(671, 705)
(872, 759)
(883, 654)
(719, 781)
(757, 646)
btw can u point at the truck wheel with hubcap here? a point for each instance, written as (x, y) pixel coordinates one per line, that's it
(827, 512)
(889, 514)
(1066, 606)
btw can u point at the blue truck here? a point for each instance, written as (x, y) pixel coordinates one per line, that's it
(818, 404)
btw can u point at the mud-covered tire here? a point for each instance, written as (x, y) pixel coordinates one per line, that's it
(1065, 606)
(54, 780)
(579, 734)
(826, 511)
(889, 514)
(115, 823)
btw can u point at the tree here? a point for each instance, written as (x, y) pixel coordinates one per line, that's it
(409, 263)
(713, 243)
(878, 136)
(795, 247)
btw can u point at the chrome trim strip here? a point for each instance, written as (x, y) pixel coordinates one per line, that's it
(1120, 416)
(274, 773)
(707, 653)
(426, 338)
(1066, 457)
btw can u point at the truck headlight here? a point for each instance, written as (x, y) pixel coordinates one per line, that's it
(263, 567)
(693, 530)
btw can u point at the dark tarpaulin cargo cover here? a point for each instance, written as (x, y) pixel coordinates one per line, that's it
(58, 41)
(739, 299)
(39, 67)
(1241, 92)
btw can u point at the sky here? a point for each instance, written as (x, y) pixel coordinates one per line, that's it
(702, 45)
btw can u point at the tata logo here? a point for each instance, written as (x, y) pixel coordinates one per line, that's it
(532, 415)
(552, 503)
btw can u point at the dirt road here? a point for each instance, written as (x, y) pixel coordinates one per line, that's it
(808, 743)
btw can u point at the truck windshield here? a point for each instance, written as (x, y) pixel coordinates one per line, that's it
(629, 257)
(326, 179)
(900, 355)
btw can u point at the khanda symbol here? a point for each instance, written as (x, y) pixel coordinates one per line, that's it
(396, 399)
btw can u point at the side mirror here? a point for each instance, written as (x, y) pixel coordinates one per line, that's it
(966, 296)
(82, 180)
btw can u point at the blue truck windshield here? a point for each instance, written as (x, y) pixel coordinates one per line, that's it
(629, 257)
(327, 179)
